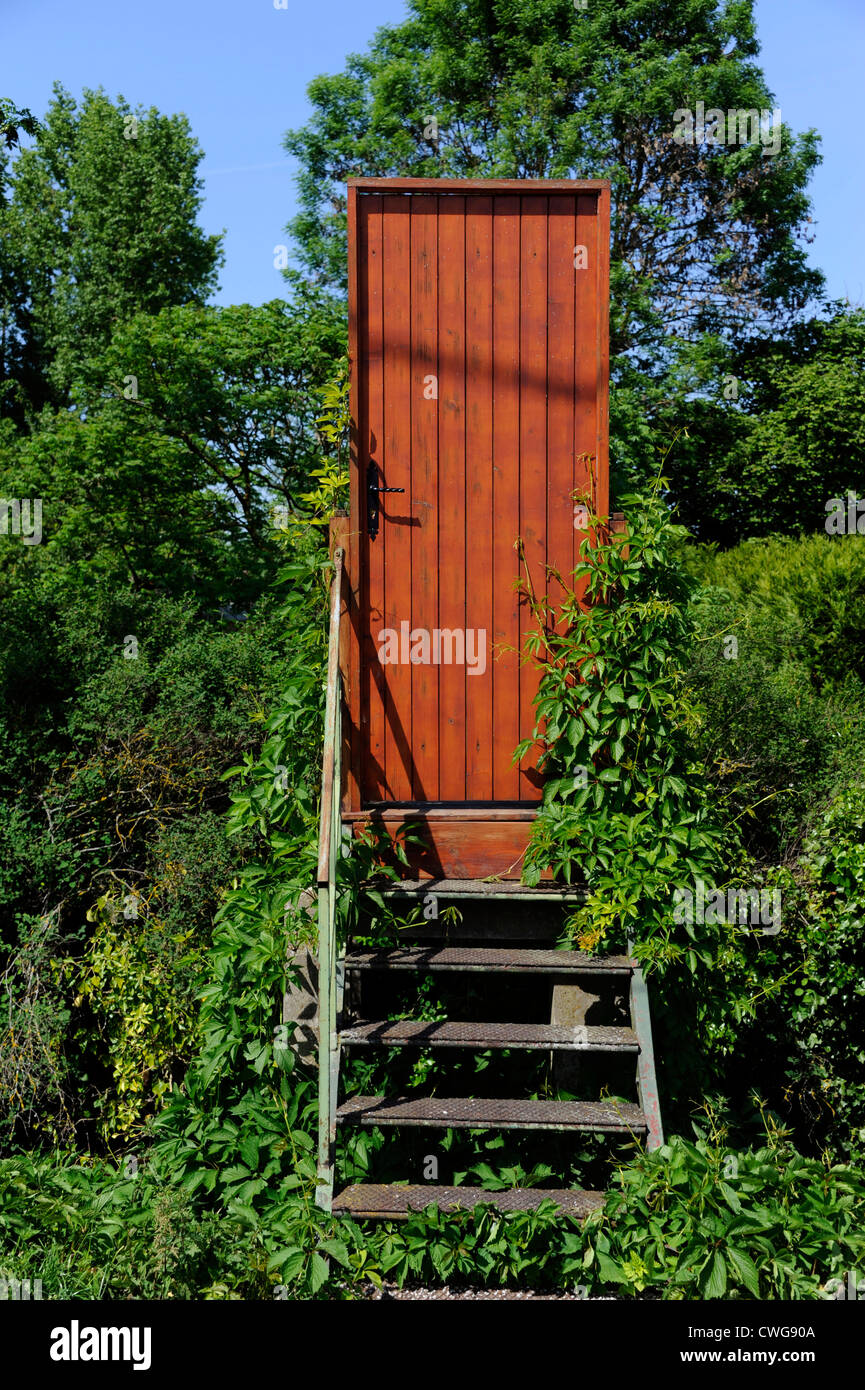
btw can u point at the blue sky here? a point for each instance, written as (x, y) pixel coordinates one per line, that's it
(239, 70)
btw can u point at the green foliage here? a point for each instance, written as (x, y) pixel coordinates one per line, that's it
(776, 675)
(14, 119)
(624, 806)
(170, 488)
(699, 1220)
(806, 1042)
(101, 224)
(546, 90)
(111, 791)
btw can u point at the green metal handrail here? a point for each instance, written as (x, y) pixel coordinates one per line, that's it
(329, 838)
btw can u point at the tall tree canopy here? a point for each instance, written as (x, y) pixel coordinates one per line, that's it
(98, 221)
(705, 237)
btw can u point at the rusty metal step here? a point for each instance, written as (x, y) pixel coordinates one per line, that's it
(513, 960)
(478, 888)
(387, 1202)
(469, 1113)
(546, 1036)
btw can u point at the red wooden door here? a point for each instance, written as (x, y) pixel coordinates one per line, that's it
(478, 345)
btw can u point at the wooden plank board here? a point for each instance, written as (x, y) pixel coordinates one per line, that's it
(453, 574)
(373, 717)
(533, 453)
(356, 560)
(560, 385)
(396, 468)
(453, 849)
(506, 493)
(421, 598)
(586, 367)
(479, 289)
(479, 490)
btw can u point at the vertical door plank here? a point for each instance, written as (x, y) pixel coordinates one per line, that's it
(601, 224)
(479, 492)
(560, 367)
(353, 742)
(453, 675)
(421, 603)
(372, 602)
(533, 449)
(506, 493)
(586, 373)
(396, 466)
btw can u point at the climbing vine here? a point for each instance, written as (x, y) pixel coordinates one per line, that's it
(625, 809)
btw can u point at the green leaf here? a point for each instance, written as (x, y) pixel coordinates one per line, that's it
(715, 1285)
(746, 1269)
(319, 1272)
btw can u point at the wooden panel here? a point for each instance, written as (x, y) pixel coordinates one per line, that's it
(586, 369)
(396, 516)
(506, 493)
(560, 386)
(479, 491)
(453, 574)
(533, 449)
(372, 424)
(461, 186)
(421, 599)
(600, 313)
(455, 849)
(471, 285)
(353, 771)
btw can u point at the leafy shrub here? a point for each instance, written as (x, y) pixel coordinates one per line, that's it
(699, 1220)
(624, 805)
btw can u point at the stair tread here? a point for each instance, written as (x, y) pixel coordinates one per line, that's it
(421, 1033)
(492, 1113)
(478, 888)
(515, 960)
(384, 1200)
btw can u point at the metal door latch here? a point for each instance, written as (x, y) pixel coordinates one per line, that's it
(373, 490)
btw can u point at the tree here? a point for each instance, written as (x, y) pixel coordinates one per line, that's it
(774, 430)
(181, 435)
(706, 237)
(14, 119)
(98, 223)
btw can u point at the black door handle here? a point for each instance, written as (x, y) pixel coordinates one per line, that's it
(373, 489)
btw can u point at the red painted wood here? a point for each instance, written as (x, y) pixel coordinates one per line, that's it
(397, 511)
(372, 406)
(353, 771)
(506, 494)
(472, 284)
(460, 849)
(561, 359)
(479, 486)
(586, 476)
(454, 577)
(420, 601)
(533, 484)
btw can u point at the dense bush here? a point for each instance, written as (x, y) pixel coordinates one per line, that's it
(121, 719)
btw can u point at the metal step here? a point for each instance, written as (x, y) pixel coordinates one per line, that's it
(464, 1113)
(477, 888)
(383, 1202)
(512, 960)
(546, 1036)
